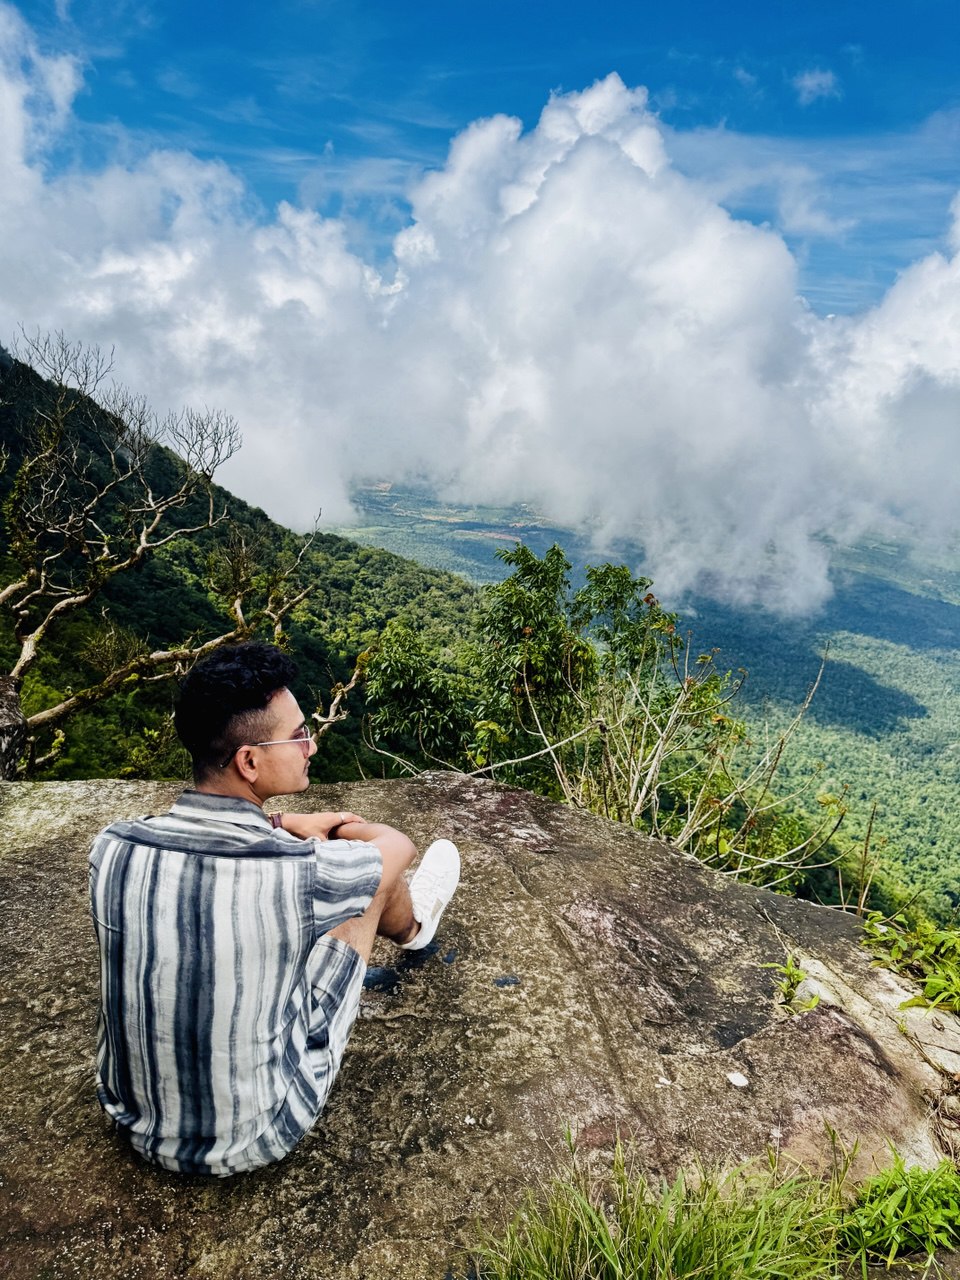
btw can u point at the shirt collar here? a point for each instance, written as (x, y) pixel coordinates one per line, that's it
(201, 804)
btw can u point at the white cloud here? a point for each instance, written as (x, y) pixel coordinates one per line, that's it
(567, 319)
(36, 94)
(175, 81)
(815, 83)
(856, 210)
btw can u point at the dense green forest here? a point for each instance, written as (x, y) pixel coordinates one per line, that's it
(885, 723)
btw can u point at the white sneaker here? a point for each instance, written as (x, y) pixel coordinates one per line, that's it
(431, 888)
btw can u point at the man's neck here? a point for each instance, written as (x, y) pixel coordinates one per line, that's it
(236, 788)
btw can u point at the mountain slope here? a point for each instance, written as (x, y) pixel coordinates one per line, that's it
(352, 592)
(885, 722)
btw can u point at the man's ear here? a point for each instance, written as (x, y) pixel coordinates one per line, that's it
(245, 763)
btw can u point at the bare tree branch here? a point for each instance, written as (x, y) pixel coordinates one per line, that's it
(95, 495)
(173, 661)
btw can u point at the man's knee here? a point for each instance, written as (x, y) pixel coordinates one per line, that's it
(398, 852)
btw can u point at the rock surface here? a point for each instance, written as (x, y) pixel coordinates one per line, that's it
(584, 976)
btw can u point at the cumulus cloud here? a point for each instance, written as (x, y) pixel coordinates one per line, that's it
(815, 83)
(566, 319)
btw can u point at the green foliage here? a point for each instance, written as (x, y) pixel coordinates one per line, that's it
(749, 1223)
(903, 1211)
(921, 949)
(590, 696)
(416, 703)
(532, 662)
(788, 984)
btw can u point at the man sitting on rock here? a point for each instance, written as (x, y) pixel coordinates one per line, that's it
(233, 945)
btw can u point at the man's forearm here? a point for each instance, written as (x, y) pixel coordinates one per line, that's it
(327, 826)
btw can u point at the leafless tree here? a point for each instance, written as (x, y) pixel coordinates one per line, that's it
(88, 502)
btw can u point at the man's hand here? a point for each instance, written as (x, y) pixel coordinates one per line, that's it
(317, 825)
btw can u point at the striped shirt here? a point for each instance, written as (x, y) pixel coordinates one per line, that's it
(218, 1035)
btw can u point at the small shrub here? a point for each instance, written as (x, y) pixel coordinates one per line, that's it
(788, 984)
(904, 1211)
(923, 951)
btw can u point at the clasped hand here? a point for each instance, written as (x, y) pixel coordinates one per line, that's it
(318, 825)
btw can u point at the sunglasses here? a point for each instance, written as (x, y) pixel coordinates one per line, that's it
(303, 736)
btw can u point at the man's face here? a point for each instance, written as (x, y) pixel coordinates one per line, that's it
(283, 767)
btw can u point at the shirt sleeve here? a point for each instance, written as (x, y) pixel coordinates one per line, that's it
(347, 876)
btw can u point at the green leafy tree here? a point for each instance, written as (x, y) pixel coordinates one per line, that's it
(532, 663)
(590, 696)
(420, 707)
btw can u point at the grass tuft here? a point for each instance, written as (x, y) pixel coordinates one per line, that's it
(750, 1223)
(904, 1211)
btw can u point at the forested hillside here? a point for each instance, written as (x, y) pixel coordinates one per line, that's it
(886, 719)
(352, 591)
(885, 723)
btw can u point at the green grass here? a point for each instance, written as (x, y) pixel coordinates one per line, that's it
(750, 1223)
(903, 1211)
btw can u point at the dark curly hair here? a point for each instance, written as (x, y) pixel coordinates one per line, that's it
(223, 698)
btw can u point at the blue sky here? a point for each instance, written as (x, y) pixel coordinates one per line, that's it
(853, 108)
(685, 274)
